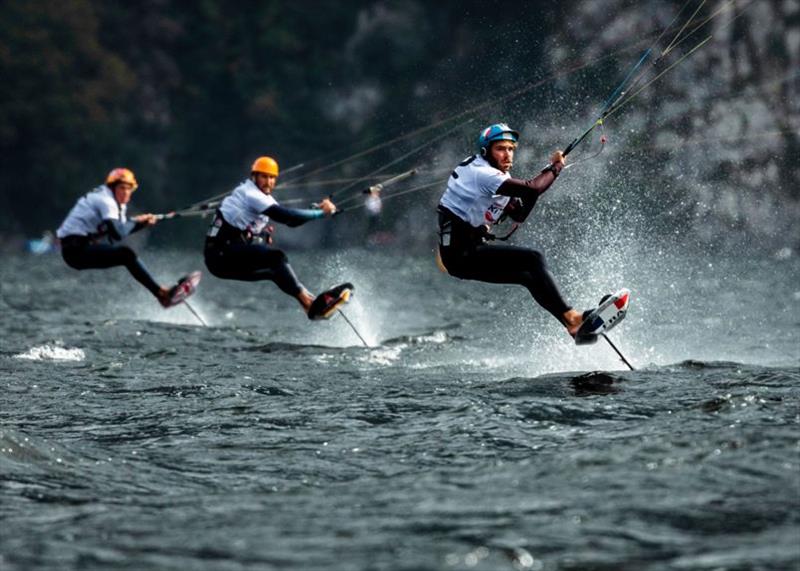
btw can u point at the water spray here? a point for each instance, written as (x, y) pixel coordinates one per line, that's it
(353, 327)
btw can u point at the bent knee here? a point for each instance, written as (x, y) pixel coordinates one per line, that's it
(277, 257)
(535, 259)
(126, 255)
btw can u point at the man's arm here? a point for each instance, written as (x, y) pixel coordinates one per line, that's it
(536, 185)
(293, 216)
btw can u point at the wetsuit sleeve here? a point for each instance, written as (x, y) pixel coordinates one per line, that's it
(136, 226)
(524, 188)
(117, 230)
(292, 216)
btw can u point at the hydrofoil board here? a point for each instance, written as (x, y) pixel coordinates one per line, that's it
(185, 287)
(326, 303)
(602, 319)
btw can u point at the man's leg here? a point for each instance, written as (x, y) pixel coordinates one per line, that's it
(102, 256)
(503, 264)
(254, 262)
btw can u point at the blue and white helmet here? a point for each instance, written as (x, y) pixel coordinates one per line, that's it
(496, 132)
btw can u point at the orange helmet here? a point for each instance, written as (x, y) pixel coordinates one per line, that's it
(121, 175)
(265, 165)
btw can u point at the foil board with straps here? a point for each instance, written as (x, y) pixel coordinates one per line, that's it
(602, 319)
(329, 301)
(185, 287)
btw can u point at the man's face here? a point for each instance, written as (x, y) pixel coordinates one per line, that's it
(123, 192)
(501, 155)
(265, 182)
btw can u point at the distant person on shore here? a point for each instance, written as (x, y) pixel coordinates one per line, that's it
(479, 191)
(99, 220)
(239, 241)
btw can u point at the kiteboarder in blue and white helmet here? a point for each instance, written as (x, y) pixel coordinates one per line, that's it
(479, 192)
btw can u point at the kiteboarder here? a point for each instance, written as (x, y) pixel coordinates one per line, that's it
(480, 191)
(98, 220)
(239, 241)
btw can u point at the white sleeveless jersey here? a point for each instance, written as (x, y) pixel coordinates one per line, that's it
(90, 211)
(471, 189)
(243, 208)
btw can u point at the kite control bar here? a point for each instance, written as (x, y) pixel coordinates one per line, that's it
(395, 179)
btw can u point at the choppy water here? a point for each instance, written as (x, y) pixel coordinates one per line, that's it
(473, 435)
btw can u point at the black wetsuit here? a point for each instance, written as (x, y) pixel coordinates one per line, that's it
(84, 253)
(467, 254)
(234, 254)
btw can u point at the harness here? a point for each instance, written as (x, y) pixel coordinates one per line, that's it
(453, 231)
(221, 233)
(456, 233)
(75, 241)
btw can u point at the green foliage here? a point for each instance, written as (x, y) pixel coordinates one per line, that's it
(59, 106)
(188, 93)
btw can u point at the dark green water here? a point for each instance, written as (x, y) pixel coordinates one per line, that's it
(473, 435)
